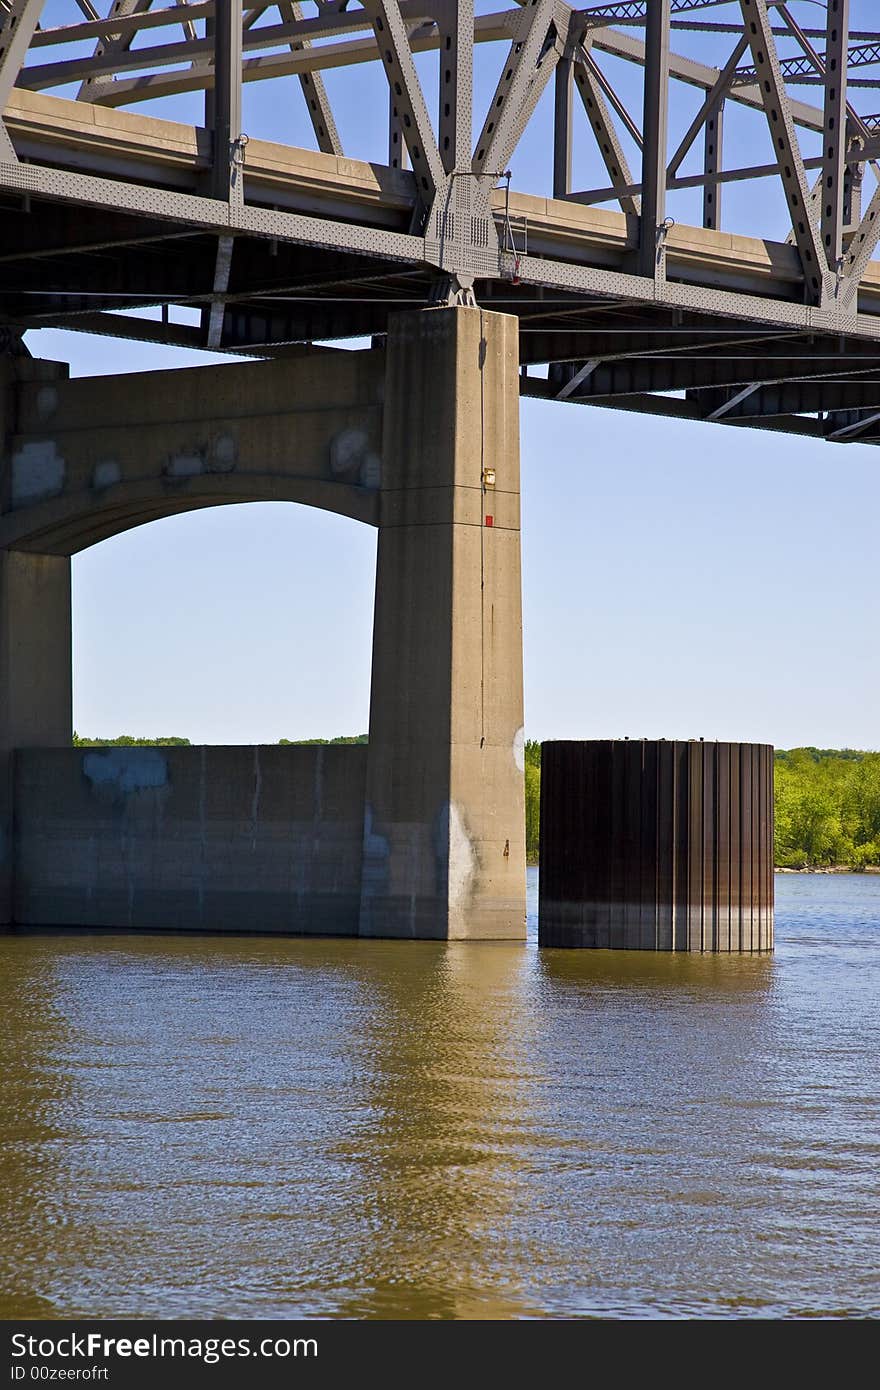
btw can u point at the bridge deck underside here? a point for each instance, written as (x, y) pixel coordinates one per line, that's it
(727, 337)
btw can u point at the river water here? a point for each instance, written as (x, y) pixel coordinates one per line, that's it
(251, 1127)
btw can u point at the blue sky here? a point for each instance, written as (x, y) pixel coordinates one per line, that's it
(679, 579)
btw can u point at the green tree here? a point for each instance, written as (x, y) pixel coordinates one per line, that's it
(129, 741)
(533, 811)
(827, 806)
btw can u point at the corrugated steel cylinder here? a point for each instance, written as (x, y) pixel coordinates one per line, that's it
(656, 846)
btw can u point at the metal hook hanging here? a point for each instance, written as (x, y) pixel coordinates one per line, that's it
(510, 244)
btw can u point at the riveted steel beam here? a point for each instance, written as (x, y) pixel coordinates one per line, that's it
(570, 385)
(726, 407)
(715, 97)
(782, 133)
(138, 330)
(312, 87)
(222, 268)
(861, 248)
(456, 79)
(712, 155)
(227, 154)
(802, 69)
(846, 139)
(834, 135)
(311, 58)
(17, 25)
(719, 176)
(672, 407)
(603, 128)
(562, 126)
(654, 134)
(639, 290)
(551, 255)
(809, 398)
(113, 43)
(701, 75)
(613, 98)
(713, 369)
(211, 214)
(528, 67)
(597, 341)
(122, 22)
(396, 56)
(851, 425)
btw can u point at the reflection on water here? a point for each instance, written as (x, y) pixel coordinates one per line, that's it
(261, 1127)
(34, 1089)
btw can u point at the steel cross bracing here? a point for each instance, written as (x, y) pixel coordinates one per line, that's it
(219, 239)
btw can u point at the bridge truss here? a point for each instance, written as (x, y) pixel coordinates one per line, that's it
(273, 248)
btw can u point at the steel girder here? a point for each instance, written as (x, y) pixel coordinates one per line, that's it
(623, 312)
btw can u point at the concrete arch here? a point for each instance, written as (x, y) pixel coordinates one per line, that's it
(64, 525)
(85, 462)
(421, 834)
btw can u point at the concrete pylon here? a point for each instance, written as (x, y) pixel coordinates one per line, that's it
(35, 643)
(35, 677)
(444, 831)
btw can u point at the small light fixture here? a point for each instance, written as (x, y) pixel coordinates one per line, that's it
(488, 477)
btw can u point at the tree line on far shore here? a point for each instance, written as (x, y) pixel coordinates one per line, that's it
(827, 805)
(827, 800)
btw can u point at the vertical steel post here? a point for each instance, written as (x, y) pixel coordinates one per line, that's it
(853, 175)
(780, 122)
(17, 27)
(456, 74)
(834, 143)
(226, 172)
(562, 128)
(712, 165)
(396, 142)
(655, 123)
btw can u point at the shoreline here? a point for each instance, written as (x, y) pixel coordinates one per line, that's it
(783, 869)
(829, 869)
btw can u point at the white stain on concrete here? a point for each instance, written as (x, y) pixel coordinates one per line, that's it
(348, 450)
(352, 459)
(371, 472)
(127, 769)
(376, 860)
(184, 466)
(463, 861)
(224, 452)
(106, 473)
(47, 401)
(519, 749)
(37, 472)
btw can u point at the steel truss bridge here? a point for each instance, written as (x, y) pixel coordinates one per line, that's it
(279, 248)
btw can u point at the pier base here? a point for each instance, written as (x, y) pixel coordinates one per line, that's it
(657, 846)
(444, 828)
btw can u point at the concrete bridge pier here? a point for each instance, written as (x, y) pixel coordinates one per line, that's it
(444, 831)
(421, 834)
(35, 644)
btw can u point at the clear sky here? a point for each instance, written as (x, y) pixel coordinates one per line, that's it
(679, 579)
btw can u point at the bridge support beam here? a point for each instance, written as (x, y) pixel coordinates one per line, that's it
(444, 838)
(36, 702)
(35, 677)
